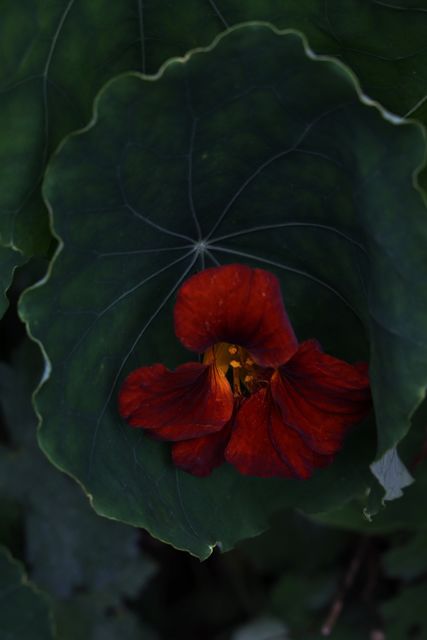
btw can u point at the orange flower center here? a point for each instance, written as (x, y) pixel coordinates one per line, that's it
(236, 364)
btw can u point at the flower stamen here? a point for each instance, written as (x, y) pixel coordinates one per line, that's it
(237, 392)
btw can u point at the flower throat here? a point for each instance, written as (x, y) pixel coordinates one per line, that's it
(237, 365)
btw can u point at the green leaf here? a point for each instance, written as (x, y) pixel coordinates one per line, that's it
(382, 42)
(299, 598)
(404, 615)
(45, 95)
(45, 46)
(68, 546)
(407, 560)
(274, 156)
(264, 628)
(10, 524)
(293, 542)
(24, 611)
(403, 514)
(87, 616)
(368, 513)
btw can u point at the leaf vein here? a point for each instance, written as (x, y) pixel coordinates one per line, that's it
(299, 272)
(219, 14)
(122, 296)
(45, 75)
(139, 215)
(126, 358)
(270, 161)
(267, 227)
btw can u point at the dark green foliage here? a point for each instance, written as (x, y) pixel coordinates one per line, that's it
(267, 147)
(229, 149)
(68, 548)
(24, 611)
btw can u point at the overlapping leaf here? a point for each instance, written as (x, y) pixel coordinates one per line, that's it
(67, 545)
(253, 152)
(402, 514)
(404, 615)
(55, 56)
(408, 560)
(24, 611)
(88, 616)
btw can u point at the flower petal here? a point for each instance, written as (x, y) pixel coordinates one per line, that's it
(192, 401)
(320, 396)
(200, 456)
(238, 305)
(250, 448)
(292, 449)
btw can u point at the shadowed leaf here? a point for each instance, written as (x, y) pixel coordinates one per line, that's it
(24, 611)
(273, 157)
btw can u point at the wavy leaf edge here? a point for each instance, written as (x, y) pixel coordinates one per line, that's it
(309, 52)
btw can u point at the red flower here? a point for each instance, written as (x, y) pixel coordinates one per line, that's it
(259, 400)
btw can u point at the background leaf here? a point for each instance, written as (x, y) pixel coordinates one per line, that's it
(24, 611)
(51, 70)
(87, 616)
(404, 615)
(68, 547)
(368, 514)
(264, 628)
(407, 560)
(272, 155)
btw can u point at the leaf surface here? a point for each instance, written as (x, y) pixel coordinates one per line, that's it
(367, 513)
(264, 156)
(67, 545)
(56, 56)
(24, 611)
(405, 613)
(88, 616)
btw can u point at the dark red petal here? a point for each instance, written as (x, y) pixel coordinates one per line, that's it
(192, 401)
(200, 456)
(238, 305)
(250, 448)
(292, 449)
(320, 396)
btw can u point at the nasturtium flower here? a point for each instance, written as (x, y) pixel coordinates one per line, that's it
(258, 400)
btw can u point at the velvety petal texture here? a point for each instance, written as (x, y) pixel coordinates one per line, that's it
(192, 401)
(238, 305)
(250, 448)
(292, 449)
(320, 396)
(297, 424)
(259, 401)
(200, 456)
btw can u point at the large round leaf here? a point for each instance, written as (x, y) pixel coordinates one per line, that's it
(250, 151)
(58, 520)
(55, 56)
(47, 45)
